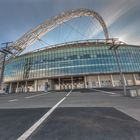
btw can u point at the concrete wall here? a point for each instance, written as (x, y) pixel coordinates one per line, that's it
(92, 81)
(137, 79)
(105, 81)
(129, 79)
(117, 80)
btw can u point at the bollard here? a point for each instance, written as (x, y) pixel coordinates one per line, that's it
(133, 93)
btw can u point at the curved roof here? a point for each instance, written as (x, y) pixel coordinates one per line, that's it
(81, 43)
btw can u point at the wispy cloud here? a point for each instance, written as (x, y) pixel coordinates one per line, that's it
(21, 16)
(112, 12)
(129, 34)
(116, 9)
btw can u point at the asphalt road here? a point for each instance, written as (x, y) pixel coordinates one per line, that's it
(100, 114)
(94, 123)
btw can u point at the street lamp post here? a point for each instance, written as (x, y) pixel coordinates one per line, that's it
(120, 71)
(2, 68)
(114, 47)
(5, 52)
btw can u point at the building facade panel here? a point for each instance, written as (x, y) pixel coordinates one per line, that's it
(72, 61)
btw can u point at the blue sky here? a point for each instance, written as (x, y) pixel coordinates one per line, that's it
(121, 16)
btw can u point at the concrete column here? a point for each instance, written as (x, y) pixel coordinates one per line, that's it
(17, 87)
(124, 80)
(112, 81)
(99, 81)
(72, 82)
(50, 82)
(10, 88)
(25, 86)
(135, 79)
(36, 85)
(85, 79)
(59, 83)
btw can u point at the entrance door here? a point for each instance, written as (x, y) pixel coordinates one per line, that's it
(75, 82)
(78, 82)
(21, 87)
(30, 86)
(14, 88)
(66, 83)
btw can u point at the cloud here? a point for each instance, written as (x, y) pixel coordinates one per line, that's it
(21, 16)
(116, 9)
(112, 12)
(129, 34)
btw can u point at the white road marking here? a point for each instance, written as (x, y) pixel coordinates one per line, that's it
(115, 95)
(27, 133)
(112, 93)
(68, 93)
(28, 97)
(13, 100)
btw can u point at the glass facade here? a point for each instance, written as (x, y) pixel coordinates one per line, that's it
(67, 61)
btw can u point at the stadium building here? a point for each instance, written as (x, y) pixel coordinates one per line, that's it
(73, 65)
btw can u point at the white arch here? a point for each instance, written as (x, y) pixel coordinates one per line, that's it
(33, 35)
